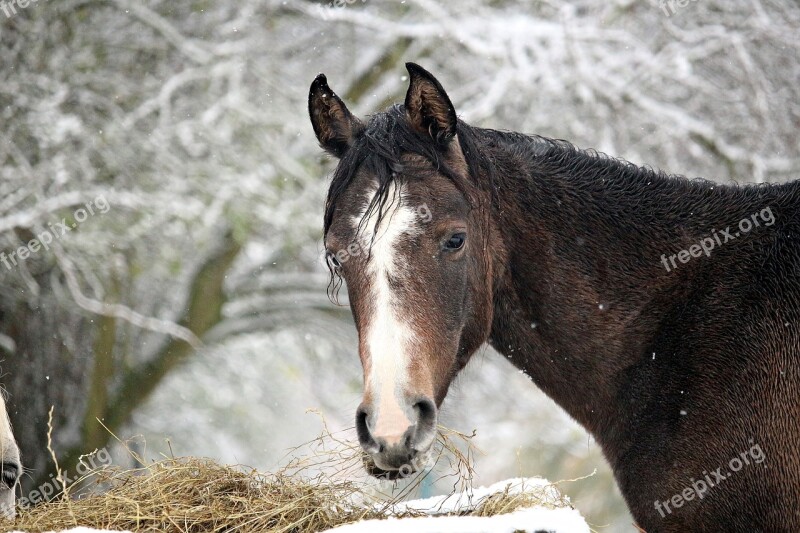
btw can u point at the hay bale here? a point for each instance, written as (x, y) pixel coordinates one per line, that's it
(192, 495)
(312, 493)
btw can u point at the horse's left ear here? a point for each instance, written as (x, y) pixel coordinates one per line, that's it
(334, 124)
(428, 107)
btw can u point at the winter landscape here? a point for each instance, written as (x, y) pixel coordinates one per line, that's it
(164, 291)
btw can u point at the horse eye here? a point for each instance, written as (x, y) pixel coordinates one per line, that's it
(456, 241)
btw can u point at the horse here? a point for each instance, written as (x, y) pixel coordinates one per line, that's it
(661, 313)
(10, 465)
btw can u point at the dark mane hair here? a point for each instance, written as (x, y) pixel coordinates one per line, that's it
(378, 150)
(610, 184)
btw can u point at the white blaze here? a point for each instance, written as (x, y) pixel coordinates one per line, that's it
(388, 337)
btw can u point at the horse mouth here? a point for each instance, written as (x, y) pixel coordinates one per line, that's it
(379, 473)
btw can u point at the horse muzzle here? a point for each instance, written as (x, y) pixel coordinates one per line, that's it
(396, 450)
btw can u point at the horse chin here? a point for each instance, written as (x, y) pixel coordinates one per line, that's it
(379, 473)
(420, 462)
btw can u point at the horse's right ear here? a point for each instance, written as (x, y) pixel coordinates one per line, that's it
(333, 123)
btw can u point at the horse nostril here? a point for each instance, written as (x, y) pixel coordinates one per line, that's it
(426, 410)
(362, 429)
(425, 426)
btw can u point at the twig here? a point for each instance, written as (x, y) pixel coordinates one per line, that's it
(119, 310)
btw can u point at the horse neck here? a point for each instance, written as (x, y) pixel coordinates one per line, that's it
(583, 286)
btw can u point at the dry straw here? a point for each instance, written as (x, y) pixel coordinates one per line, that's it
(313, 492)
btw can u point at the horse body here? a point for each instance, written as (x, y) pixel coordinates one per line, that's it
(587, 273)
(674, 373)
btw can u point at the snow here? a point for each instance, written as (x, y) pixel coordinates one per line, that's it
(532, 519)
(527, 520)
(470, 499)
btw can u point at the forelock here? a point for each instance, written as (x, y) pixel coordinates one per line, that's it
(378, 150)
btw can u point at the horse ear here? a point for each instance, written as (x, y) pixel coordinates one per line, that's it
(333, 123)
(428, 107)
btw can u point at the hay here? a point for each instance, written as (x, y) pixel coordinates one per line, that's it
(507, 501)
(313, 492)
(198, 495)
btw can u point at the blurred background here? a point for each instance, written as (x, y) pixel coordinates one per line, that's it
(187, 120)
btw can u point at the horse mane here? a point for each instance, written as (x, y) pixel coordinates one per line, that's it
(589, 169)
